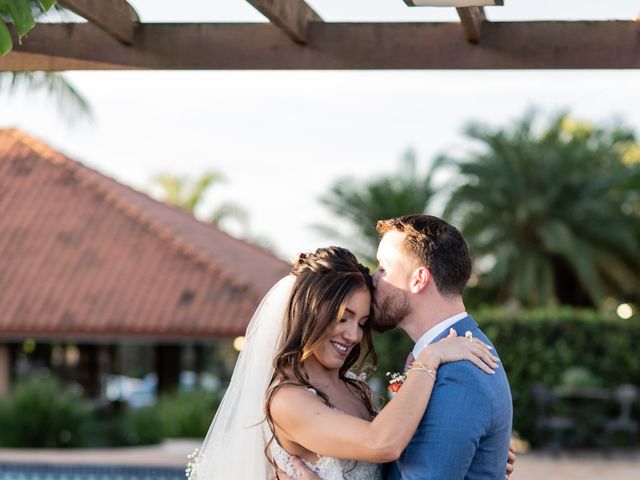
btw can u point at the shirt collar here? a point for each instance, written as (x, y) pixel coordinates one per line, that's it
(434, 331)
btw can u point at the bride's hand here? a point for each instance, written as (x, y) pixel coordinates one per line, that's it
(304, 472)
(454, 348)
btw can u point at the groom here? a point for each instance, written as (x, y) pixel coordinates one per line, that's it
(423, 268)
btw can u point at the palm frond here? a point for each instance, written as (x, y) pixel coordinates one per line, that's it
(69, 102)
(362, 203)
(559, 196)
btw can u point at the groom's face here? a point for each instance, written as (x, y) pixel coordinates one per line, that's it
(391, 282)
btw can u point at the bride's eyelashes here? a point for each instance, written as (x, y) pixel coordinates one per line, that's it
(360, 324)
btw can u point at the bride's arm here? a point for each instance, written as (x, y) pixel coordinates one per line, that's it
(306, 420)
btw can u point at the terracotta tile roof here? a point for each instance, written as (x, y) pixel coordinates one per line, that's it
(83, 255)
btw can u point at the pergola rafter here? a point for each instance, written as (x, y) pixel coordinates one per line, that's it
(471, 13)
(115, 17)
(297, 38)
(472, 19)
(292, 16)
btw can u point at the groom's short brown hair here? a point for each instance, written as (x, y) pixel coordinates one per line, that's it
(437, 245)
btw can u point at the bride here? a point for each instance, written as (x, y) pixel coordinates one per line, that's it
(293, 394)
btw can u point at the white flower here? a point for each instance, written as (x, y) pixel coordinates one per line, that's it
(352, 376)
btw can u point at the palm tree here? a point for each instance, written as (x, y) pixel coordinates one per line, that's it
(188, 193)
(552, 215)
(362, 204)
(69, 101)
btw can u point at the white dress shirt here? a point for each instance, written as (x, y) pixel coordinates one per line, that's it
(434, 331)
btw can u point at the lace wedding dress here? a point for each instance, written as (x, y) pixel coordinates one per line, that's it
(327, 468)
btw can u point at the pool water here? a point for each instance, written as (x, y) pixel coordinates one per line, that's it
(20, 471)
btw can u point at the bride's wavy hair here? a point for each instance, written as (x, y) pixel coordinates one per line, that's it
(325, 279)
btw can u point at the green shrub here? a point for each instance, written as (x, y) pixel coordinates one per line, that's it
(40, 412)
(141, 426)
(579, 377)
(557, 347)
(187, 414)
(175, 415)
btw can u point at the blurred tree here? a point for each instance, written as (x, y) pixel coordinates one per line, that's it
(362, 204)
(189, 193)
(69, 102)
(551, 215)
(22, 14)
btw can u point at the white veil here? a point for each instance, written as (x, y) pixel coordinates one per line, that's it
(234, 446)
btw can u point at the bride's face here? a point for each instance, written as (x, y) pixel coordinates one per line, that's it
(347, 333)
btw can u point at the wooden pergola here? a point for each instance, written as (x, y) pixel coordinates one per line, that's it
(297, 38)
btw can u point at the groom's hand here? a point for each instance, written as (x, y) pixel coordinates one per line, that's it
(302, 469)
(511, 459)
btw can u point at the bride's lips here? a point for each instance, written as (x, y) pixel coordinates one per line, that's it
(341, 348)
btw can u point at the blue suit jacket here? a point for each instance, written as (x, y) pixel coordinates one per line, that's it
(466, 429)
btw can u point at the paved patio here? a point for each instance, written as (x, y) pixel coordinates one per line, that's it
(533, 466)
(530, 466)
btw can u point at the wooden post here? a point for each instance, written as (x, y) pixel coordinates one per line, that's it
(5, 369)
(168, 366)
(88, 370)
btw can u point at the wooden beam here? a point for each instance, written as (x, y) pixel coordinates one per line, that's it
(510, 45)
(292, 16)
(453, 3)
(116, 17)
(25, 62)
(472, 19)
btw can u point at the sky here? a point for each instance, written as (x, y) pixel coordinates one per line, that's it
(281, 138)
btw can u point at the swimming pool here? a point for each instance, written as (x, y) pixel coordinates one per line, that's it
(21, 471)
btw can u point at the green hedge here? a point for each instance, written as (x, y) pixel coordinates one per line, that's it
(188, 414)
(553, 347)
(40, 412)
(133, 427)
(549, 346)
(175, 415)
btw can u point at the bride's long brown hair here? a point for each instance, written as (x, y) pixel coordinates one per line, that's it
(325, 281)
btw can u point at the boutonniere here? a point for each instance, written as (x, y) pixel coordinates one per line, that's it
(397, 379)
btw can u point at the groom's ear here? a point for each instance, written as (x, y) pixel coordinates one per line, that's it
(420, 279)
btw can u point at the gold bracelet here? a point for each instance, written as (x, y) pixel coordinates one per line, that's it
(417, 363)
(430, 371)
